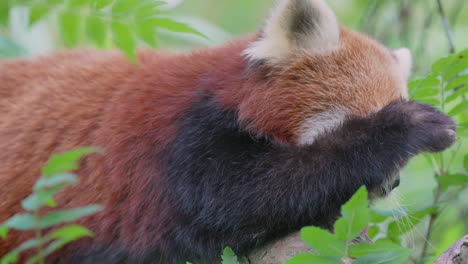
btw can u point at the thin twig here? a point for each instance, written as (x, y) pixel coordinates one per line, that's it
(448, 31)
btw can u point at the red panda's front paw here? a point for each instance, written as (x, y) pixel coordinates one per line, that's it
(431, 130)
(421, 127)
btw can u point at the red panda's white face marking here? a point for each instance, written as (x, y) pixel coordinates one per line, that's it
(321, 72)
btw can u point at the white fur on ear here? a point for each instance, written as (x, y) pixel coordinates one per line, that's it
(297, 26)
(405, 61)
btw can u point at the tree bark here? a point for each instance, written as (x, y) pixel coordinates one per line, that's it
(456, 254)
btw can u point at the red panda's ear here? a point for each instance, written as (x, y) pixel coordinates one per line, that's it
(405, 61)
(296, 26)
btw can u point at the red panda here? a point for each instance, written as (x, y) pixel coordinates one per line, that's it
(230, 146)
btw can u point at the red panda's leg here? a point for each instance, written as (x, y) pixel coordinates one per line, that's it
(231, 189)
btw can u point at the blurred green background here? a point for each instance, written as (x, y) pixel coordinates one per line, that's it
(415, 24)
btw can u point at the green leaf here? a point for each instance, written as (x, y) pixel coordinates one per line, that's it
(389, 257)
(396, 212)
(3, 231)
(123, 7)
(460, 108)
(431, 81)
(31, 243)
(430, 101)
(459, 67)
(10, 258)
(78, 3)
(65, 162)
(60, 178)
(96, 29)
(465, 163)
(457, 94)
(457, 82)
(38, 12)
(21, 222)
(452, 180)
(69, 23)
(173, 26)
(376, 217)
(147, 32)
(36, 200)
(355, 216)
(71, 233)
(402, 225)
(4, 12)
(100, 4)
(373, 231)
(62, 216)
(229, 257)
(62, 236)
(323, 242)
(54, 3)
(381, 246)
(124, 39)
(148, 9)
(443, 64)
(309, 258)
(425, 92)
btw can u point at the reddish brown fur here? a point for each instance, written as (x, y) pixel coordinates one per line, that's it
(97, 98)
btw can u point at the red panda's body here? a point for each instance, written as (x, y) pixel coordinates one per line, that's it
(222, 147)
(127, 110)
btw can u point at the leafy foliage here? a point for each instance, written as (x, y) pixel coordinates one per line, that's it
(331, 248)
(123, 23)
(446, 86)
(55, 178)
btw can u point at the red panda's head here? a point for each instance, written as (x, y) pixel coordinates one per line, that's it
(316, 72)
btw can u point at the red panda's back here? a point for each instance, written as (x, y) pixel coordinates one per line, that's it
(96, 98)
(83, 98)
